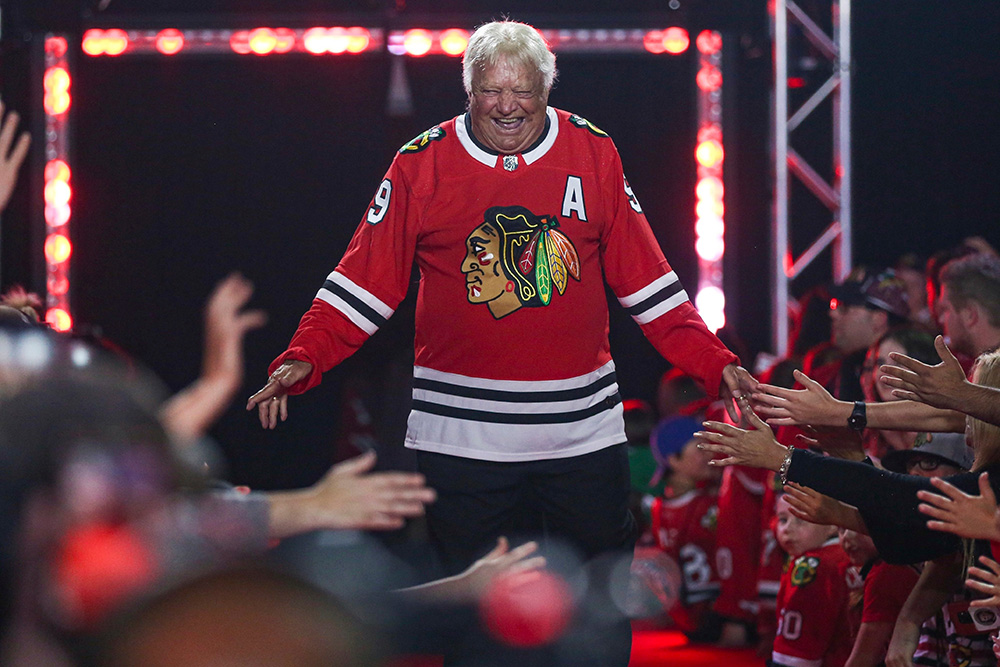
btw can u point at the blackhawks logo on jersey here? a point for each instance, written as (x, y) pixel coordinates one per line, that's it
(710, 518)
(584, 123)
(516, 258)
(423, 140)
(804, 570)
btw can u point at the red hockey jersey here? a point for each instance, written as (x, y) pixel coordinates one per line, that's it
(684, 528)
(512, 355)
(814, 628)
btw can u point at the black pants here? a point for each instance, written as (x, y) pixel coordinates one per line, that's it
(580, 502)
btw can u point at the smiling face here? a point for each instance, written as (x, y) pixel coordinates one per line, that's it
(507, 106)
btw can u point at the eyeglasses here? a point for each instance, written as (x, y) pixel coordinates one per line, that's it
(926, 464)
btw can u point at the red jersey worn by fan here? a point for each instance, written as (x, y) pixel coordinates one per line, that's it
(814, 629)
(684, 528)
(739, 543)
(512, 361)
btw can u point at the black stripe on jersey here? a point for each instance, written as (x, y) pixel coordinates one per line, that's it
(517, 417)
(650, 301)
(516, 396)
(357, 304)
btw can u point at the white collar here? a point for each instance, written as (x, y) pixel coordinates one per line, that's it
(490, 159)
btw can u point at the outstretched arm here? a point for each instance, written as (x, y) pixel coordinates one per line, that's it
(942, 386)
(815, 406)
(470, 585)
(349, 496)
(963, 514)
(192, 411)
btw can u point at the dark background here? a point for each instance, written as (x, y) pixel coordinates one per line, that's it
(188, 168)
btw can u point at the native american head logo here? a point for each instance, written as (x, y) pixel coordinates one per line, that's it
(423, 140)
(515, 258)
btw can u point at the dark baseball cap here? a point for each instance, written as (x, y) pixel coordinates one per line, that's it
(949, 447)
(883, 291)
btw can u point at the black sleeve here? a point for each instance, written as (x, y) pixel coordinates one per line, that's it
(886, 500)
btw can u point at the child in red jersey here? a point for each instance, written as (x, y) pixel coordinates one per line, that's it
(886, 588)
(814, 629)
(684, 518)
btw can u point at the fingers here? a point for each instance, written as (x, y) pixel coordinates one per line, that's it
(985, 490)
(266, 393)
(943, 351)
(250, 320)
(910, 364)
(721, 428)
(806, 440)
(355, 466)
(941, 515)
(948, 489)
(752, 417)
(10, 124)
(806, 381)
(771, 390)
(20, 151)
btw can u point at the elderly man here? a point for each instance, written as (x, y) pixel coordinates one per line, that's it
(516, 213)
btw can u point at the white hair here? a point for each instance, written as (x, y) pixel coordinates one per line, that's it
(518, 41)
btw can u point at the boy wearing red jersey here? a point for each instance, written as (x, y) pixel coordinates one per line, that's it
(814, 629)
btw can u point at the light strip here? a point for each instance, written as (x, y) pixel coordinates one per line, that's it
(710, 225)
(57, 101)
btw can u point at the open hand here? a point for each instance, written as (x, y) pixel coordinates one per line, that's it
(791, 407)
(939, 385)
(272, 400)
(955, 511)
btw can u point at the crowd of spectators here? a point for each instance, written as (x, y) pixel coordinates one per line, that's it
(850, 518)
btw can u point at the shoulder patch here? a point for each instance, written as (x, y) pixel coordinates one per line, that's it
(584, 123)
(423, 140)
(804, 570)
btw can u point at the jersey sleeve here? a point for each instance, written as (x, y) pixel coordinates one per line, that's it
(365, 288)
(649, 289)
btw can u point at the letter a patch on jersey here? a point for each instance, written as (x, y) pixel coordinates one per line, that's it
(804, 570)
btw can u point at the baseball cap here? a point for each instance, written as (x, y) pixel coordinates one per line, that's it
(950, 447)
(668, 438)
(883, 290)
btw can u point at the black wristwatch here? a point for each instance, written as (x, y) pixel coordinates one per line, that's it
(859, 418)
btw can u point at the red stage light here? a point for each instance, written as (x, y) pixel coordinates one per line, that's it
(115, 42)
(57, 170)
(710, 227)
(709, 153)
(337, 40)
(284, 40)
(169, 41)
(709, 42)
(93, 42)
(454, 41)
(56, 103)
(709, 187)
(709, 78)
(59, 319)
(58, 193)
(796, 82)
(417, 42)
(358, 39)
(676, 40)
(57, 248)
(710, 248)
(262, 41)
(240, 42)
(709, 208)
(56, 80)
(56, 46)
(57, 286)
(314, 39)
(653, 41)
(57, 216)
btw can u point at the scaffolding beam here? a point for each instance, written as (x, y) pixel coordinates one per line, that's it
(833, 193)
